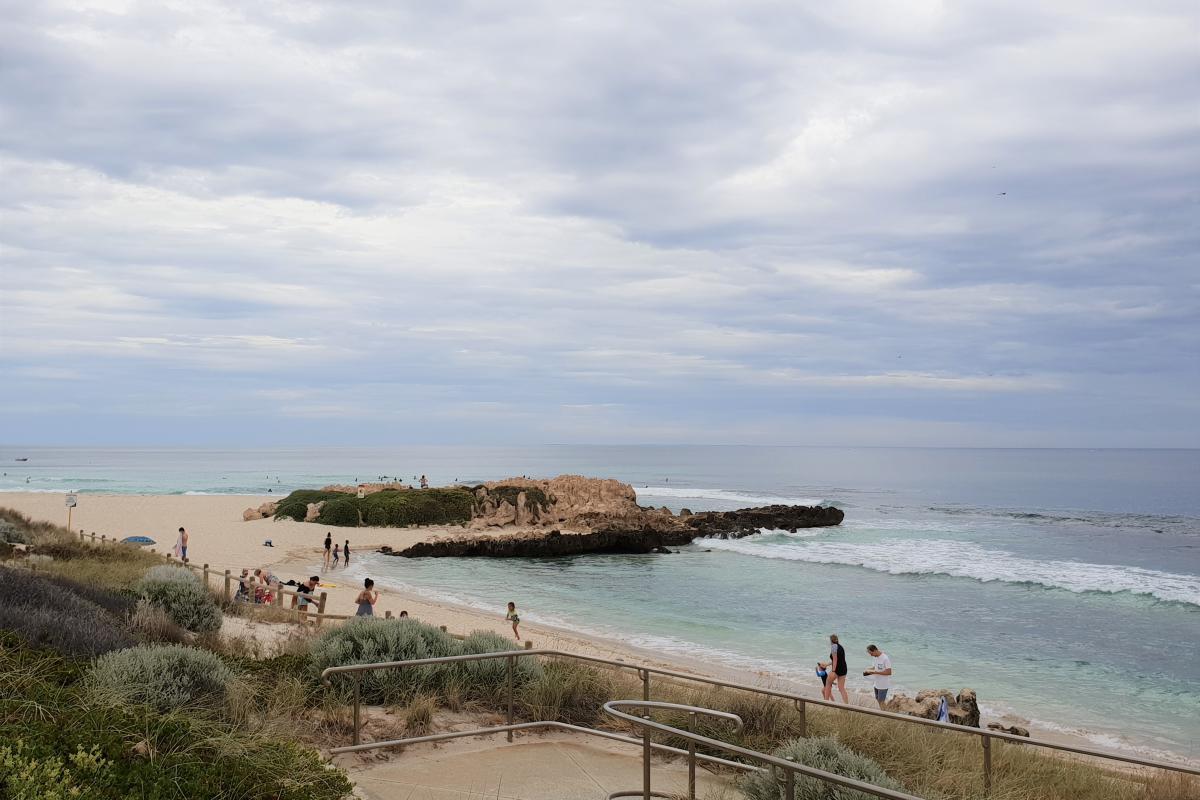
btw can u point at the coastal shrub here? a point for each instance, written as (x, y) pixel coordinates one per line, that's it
(368, 640)
(13, 533)
(46, 613)
(163, 677)
(487, 679)
(342, 512)
(182, 595)
(27, 777)
(823, 753)
(290, 510)
(568, 691)
(419, 506)
(152, 623)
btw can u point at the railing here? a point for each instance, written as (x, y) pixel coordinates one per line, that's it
(788, 768)
(644, 673)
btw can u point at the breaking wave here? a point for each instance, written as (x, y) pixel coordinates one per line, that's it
(724, 496)
(969, 560)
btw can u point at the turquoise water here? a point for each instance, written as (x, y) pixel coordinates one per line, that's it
(1062, 585)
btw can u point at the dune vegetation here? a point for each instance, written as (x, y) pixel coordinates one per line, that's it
(387, 508)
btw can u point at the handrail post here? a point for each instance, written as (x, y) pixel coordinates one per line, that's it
(789, 784)
(357, 681)
(987, 763)
(511, 664)
(321, 606)
(646, 758)
(645, 683)
(691, 757)
(800, 707)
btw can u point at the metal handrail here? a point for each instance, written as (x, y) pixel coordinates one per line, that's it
(790, 768)
(644, 672)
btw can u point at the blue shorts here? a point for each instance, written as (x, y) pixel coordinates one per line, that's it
(881, 694)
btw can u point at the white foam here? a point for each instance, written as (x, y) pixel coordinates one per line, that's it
(968, 560)
(724, 495)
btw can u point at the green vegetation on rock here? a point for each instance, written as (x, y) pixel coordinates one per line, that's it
(388, 508)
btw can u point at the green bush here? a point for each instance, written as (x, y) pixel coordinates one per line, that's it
(419, 507)
(370, 640)
(822, 753)
(290, 510)
(26, 777)
(182, 595)
(569, 692)
(342, 512)
(164, 677)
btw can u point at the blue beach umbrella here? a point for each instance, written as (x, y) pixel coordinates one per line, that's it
(139, 540)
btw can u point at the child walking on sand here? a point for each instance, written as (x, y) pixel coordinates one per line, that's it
(514, 618)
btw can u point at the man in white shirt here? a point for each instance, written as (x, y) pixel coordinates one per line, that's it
(880, 673)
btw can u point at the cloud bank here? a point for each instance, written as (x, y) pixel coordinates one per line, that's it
(354, 222)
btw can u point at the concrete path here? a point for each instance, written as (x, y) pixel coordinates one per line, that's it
(550, 767)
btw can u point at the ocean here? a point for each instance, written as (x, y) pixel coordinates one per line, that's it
(1062, 585)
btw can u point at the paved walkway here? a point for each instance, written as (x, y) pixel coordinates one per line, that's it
(550, 767)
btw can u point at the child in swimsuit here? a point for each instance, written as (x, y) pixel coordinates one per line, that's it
(513, 617)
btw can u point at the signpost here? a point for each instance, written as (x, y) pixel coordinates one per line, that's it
(72, 501)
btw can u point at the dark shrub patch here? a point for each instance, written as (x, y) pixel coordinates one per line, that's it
(290, 510)
(341, 512)
(48, 613)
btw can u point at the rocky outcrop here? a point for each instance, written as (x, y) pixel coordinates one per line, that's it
(265, 511)
(314, 511)
(963, 708)
(644, 531)
(539, 545)
(555, 502)
(365, 488)
(1015, 730)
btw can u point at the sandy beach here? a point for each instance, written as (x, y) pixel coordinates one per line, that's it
(221, 539)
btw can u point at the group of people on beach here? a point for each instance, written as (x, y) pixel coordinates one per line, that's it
(338, 552)
(834, 671)
(369, 596)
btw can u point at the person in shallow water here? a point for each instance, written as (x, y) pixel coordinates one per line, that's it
(366, 599)
(837, 670)
(346, 554)
(337, 553)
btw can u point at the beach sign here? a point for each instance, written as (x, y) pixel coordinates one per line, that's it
(72, 501)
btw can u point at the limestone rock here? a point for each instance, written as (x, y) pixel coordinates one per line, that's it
(1015, 730)
(314, 511)
(963, 708)
(264, 511)
(251, 513)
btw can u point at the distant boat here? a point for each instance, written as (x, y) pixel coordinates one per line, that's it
(22, 459)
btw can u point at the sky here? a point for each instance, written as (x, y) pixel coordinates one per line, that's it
(362, 223)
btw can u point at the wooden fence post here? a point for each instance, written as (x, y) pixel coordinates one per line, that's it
(93, 537)
(279, 596)
(228, 585)
(387, 614)
(528, 645)
(206, 576)
(443, 628)
(321, 606)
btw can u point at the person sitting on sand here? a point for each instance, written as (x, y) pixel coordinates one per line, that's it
(403, 615)
(514, 618)
(837, 670)
(244, 582)
(366, 600)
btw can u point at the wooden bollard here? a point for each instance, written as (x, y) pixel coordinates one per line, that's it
(102, 538)
(443, 628)
(279, 595)
(228, 585)
(387, 614)
(206, 576)
(321, 606)
(81, 535)
(93, 537)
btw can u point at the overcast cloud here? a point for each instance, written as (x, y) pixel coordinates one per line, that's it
(366, 222)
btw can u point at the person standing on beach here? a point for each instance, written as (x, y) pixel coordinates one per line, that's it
(337, 553)
(304, 593)
(181, 545)
(346, 554)
(328, 544)
(424, 483)
(880, 673)
(837, 670)
(366, 599)
(514, 618)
